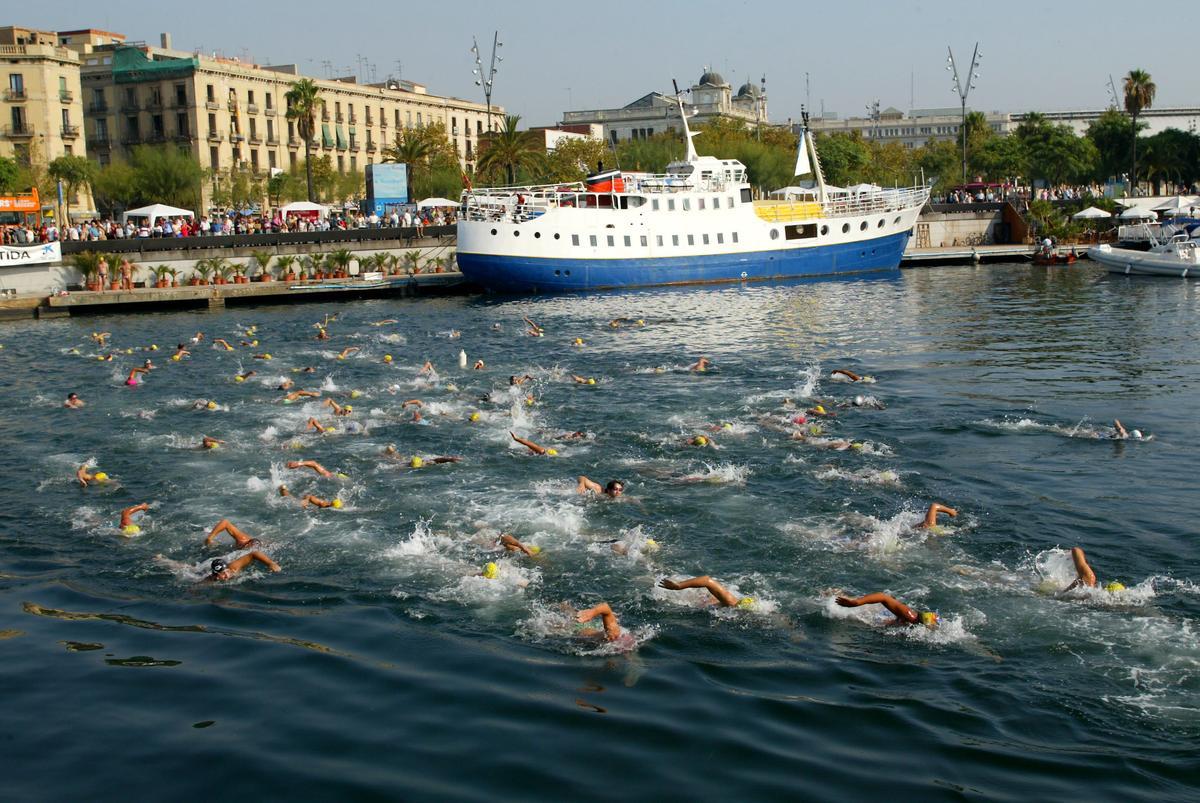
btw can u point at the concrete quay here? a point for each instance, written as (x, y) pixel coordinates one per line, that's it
(964, 255)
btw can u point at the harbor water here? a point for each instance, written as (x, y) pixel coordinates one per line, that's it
(380, 663)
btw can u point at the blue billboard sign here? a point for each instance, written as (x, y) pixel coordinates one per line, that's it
(387, 187)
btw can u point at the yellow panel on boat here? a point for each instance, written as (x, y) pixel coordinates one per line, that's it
(781, 211)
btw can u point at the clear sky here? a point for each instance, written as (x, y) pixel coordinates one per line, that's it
(1047, 56)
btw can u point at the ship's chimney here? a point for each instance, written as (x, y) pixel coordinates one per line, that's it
(165, 40)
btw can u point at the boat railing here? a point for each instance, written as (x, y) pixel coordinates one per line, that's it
(857, 204)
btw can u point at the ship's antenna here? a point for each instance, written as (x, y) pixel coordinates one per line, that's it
(687, 131)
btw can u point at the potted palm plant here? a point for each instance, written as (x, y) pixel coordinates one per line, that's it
(203, 272)
(263, 260)
(308, 267)
(286, 265)
(339, 261)
(174, 274)
(318, 263)
(223, 269)
(88, 263)
(412, 262)
(160, 276)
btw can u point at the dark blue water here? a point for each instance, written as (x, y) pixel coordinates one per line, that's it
(379, 664)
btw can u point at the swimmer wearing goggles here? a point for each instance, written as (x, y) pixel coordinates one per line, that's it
(904, 614)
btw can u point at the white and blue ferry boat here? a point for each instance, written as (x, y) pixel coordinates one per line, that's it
(697, 223)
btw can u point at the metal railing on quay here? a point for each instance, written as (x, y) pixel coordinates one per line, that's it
(403, 236)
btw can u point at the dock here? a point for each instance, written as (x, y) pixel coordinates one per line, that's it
(219, 296)
(965, 255)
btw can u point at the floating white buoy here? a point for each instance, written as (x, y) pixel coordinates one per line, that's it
(462, 358)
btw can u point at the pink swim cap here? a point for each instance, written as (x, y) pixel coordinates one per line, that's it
(800, 419)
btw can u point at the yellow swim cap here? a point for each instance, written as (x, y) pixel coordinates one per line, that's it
(212, 405)
(348, 408)
(591, 381)
(727, 425)
(856, 446)
(387, 357)
(579, 341)
(265, 356)
(343, 475)
(255, 343)
(131, 529)
(129, 351)
(474, 416)
(100, 475)
(416, 462)
(819, 409)
(211, 445)
(534, 550)
(929, 618)
(341, 356)
(701, 440)
(154, 347)
(650, 545)
(745, 603)
(239, 378)
(1114, 586)
(100, 357)
(490, 570)
(552, 452)
(529, 402)
(640, 322)
(354, 394)
(337, 504)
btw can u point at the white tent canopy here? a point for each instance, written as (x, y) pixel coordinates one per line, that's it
(791, 191)
(1134, 213)
(303, 207)
(432, 202)
(859, 189)
(156, 211)
(1091, 213)
(1180, 203)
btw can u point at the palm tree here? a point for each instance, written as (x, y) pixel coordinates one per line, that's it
(263, 259)
(302, 103)
(284, 263)
(1139, 96)
(510, 149)
(412, 259)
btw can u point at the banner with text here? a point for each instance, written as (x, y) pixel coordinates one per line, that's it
(11, 255)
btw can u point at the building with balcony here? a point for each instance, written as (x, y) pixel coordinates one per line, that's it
(41, 108)
(711, 97)
(228, 112)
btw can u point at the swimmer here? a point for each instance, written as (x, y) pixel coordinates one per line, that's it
(346, 352)
(867, 402)
(385, 322)
(313, 464)
(84, 476)
(478, 366)
(534, 330)
(613, 489)
(223, 344)
(1122, 434)
(198, 337)
(519, 380)
(308, 370)
(702, 441)
(222, 570)
(73, 402)
(242, 540)
(904, 614)
(101, 338)
(418, 419)
(148, 365)
(181, 351)
(853, 377)
(700, 365)
(132, 379)
(246, 375)
(533, 447)
(209, 443)
(418, 461)
(128, 525)
(286, 384)
(579, 380)
(721, 595)
(339, 409)
(577, 435)
(427, 368)
(414, 402)
(1086, 576)
(318, 502)
(263, 356)
(302, 394)
(511, 544)
(612, 628)
(322, 334)
(820, 411)
(932, 514)
(314, 424)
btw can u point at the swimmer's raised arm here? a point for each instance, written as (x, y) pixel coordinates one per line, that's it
(226, 526)
(1085, 574)
(528, 444)
(446, 459)
(337, 408)
(127, 513)
(316, 501)
(313, 464)
(932, 514)
(853, 377)
(585, 484)
(222, 343)
(385, 321)
(414, 402)
(612, 628)
(427, 368)
(718, 591)
(700, 364)
(234, 566)
(314, 424)
(346, 352)
(83, 475)
(1122, 433)
(511, 544)
(903, 613)
(302, 394)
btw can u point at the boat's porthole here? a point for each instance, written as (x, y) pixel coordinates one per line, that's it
(557, 235)
(879, 225)
(872, 252)
(862, 226)
(516, 233)
(824, 230)
(896, 221)
(557, 273)
(774, 234)
(566, 273)
(537, 235)
(493, 232)
(845, 228)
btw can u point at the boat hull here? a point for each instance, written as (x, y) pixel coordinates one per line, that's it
(509, 273)
(1142, 263)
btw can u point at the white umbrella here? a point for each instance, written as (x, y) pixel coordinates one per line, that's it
(1091, 213)
(156, 211)
(1134, 213)
(431, 202)
(303, 206)
(1180, 203)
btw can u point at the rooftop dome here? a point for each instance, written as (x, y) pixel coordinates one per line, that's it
(711, 77)
(749, 90)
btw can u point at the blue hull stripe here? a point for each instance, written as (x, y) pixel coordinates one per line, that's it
(540, 274)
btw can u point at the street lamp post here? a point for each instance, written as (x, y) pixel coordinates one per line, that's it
(963, 88)
(486, 82)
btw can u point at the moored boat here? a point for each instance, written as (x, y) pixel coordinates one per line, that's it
(696, 223)
(1176, 257)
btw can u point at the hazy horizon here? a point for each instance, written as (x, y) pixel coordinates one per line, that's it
(557, 57)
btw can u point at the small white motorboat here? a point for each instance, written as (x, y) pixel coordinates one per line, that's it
(1176, 257)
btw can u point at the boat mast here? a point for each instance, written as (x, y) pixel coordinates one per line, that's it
(807, 142)
(687, 131)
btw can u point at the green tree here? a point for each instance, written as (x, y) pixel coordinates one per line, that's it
(433, 166)
(651, 155)
(164, 174)
(75, 172)
(114, 187)
(940, 161)
(236, 187)
(303, 100)
(1112, 134)
(1058, 155)
(10, 173)
(1171, 156)
(1001, 158)
(573, 159)
(845, 157)
(1139, 96)
(509, 149)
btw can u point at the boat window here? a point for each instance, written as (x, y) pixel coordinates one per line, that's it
(720, 238)
(670, 204)
(774, 234)
(674, 239)
(691, 239)
(493, 232)
(800, 231)
(558, 236)
(745, 195)
(645, 241)
(687, 204)
(628, 241)
(516, 232)
(654, 204)
(824, 230)
(610, 241)
(574, 239)
(705, 238)
(658, 240)
(537, 235)
(845, 228)
(717, 202)
(897, 220)
(729, 202)
(735, 237)
(862, 226)
(701, 204)
(879, 225)
(592, 240)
